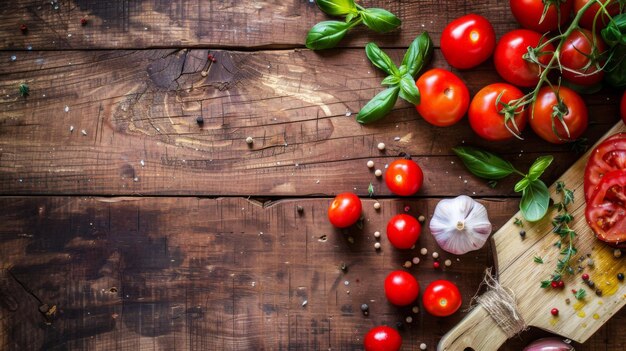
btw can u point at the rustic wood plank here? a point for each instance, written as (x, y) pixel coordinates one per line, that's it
(214, 274)
(138, 112)
(227, 24)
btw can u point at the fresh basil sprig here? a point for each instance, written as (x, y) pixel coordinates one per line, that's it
(535, 195)
(327, 34)
(615, 35)
(400, 79)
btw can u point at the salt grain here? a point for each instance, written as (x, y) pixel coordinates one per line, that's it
(83, 132)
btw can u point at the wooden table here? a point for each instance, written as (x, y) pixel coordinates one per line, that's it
(125, 224)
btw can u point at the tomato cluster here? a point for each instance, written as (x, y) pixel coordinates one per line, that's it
(496, 112)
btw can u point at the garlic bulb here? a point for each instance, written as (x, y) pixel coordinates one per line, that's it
(460, 225)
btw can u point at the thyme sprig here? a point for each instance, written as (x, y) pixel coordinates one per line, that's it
(560, 226)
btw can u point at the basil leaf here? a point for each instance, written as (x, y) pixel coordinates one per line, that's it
(380, 59)
(380, 20)
(483, 163)
(538, 167)
(390, 80)
(418, 54)
(408, 90)
(616, 67)
(535, 201)
(522, 184)
(336, 7)
(379, 106)
(615, 31)
(326, 34)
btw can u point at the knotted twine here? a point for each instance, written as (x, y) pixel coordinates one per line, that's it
(500, 303)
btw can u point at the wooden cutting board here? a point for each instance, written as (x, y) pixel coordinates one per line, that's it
(517, 271)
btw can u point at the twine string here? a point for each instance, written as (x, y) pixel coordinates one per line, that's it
(500, 303)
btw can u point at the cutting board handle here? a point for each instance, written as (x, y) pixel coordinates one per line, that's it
(477, 331)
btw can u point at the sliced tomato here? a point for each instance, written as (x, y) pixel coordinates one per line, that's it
(610, 155)
(606, 209)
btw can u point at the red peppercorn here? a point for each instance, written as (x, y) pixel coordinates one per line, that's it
(554, 285)
(554, 312)
(407, 208)
(561, 284)
(573, 291)
(83, 21)
(436, 264)
(585, 277)
(23, 28)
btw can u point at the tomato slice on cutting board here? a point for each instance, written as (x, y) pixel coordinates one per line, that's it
(610, 155)
(606, 209)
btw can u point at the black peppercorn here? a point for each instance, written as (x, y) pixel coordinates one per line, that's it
(591, 284)
(200, 120)
(620, 276)
(522, 233)
(598, 292)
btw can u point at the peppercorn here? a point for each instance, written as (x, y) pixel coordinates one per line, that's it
(83, 21)
(436, 264)
(598, 292)
(522, 233)
(554, 285)
(591, 284)
(23, 28)
(300, 209)
(200, 120)
(554, 312)
(585, 276)
(365, 309)
(620, 276)
(561, 284)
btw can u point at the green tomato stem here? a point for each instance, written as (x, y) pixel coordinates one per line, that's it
(554, 60)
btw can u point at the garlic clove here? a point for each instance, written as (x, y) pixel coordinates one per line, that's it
(460, 225)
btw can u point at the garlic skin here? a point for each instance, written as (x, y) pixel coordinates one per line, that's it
(460, 225)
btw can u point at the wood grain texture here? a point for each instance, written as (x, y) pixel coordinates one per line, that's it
(142, 105)
(215, 274)
(135, 24)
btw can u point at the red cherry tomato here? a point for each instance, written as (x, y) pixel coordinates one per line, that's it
(382, 338)
(403, 231)
(509, 60)
(404, 177)
(586, 21)
(609, 155)
(577, 57)
(444, 97)
(528, 14)
(468, 41)
(486, 117)
(606, 209)
(549, 128)
(401, 288)
(345, 210)
(623, 107)
(441, 298)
